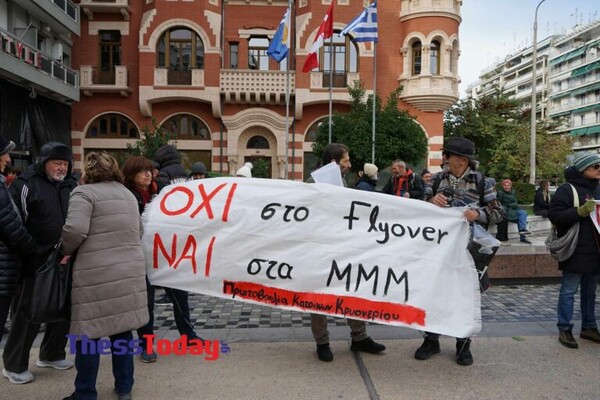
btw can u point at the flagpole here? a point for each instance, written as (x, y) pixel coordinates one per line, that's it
(330, 84)
(374, 100)
(287, 103)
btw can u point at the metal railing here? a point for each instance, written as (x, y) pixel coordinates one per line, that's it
(41, 61)
(68, 7)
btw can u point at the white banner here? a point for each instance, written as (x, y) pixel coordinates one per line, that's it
(316, 248)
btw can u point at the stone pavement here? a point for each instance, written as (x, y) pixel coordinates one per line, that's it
(517, 356)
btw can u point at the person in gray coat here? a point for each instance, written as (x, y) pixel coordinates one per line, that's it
(108, 296)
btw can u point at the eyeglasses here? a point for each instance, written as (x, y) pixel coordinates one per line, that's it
(146, 171)
(596, 166)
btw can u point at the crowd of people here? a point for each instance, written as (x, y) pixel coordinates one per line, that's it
(95, 221)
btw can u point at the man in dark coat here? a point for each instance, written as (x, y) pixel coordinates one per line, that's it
(13, 238)
(41, 195)
(403, 182)
(583, 267)
(170, 165)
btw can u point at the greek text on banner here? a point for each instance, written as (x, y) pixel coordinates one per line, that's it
(316, 248)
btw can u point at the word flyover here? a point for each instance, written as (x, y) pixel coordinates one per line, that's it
(316, 248)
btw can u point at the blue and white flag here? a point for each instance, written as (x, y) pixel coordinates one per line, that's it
(364, 27)
(280, 44)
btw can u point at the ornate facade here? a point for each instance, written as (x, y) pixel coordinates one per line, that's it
(199, 68)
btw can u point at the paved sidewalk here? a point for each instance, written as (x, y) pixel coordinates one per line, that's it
(517, 356)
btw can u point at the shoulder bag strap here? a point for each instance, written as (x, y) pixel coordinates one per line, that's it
(575, 196)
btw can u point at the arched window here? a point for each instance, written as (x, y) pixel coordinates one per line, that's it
(112, 126)
(416, 58)
(313, 130)
(258, 142)
(187, 127)
(434, 58)
(341, 56)
(180, 50)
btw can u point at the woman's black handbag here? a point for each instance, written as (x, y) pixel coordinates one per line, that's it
(48, 293)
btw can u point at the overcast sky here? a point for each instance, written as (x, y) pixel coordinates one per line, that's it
(492, 29)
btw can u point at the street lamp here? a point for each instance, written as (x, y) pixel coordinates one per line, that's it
(533, 100)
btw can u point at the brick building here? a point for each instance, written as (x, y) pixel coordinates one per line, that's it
(200, 69)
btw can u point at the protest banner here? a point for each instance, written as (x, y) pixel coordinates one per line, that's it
(316, 248)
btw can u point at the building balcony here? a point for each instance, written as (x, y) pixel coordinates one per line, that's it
(170, 85)
(24, 63)
(430, 8)
(430, 92)
(255, 87)
(98, 80)
(90, 7)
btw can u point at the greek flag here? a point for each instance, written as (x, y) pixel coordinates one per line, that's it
(280, 44)
(364, 27)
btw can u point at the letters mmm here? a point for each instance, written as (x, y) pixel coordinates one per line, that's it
(373, 274)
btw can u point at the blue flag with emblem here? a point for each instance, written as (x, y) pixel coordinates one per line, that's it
(364, 27)
(280, 44)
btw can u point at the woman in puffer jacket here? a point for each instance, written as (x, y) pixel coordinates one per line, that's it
(13, 238)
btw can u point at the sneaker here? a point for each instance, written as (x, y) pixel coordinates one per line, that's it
(463, 352)
(324, 352)
(367, 345)
(427, 349)
(590, 334)
(523, 240)
(18, 378)
(525, 232)
(163, 300)
(60, 365)
(123, 396)
(148, 357)
(566, 339)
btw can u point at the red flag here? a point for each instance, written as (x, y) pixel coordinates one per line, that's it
(325, 32)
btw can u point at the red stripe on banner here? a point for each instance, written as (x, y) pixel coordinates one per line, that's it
(346, 306)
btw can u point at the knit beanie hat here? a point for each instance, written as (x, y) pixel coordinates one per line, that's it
(6, 146)
(584, 159)
(370, 170)
(245, 171)
(506, 181)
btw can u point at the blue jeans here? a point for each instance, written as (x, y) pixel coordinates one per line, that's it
(522, 220)
(87, 370)
(566, 300)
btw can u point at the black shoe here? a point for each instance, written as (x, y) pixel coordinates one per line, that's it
(427, 349)
(71, 397)
(523, 240)
(590, 334)
(163, 300)
(463, 352)
(566, 339)
(368, 346)
(324, 352)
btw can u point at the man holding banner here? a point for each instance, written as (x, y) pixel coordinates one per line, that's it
(339, 153)
(460, 185)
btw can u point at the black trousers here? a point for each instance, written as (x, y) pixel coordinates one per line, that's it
(502, 231)
(5, 302)
(22, 335)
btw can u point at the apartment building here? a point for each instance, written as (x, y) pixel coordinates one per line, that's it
(37, 85)
(199, 68)
(568, 82)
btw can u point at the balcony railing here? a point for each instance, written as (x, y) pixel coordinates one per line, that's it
(255, 87)
(104, 80)
(430, 92)
(68, 7)
(36, 59)
(90, 7)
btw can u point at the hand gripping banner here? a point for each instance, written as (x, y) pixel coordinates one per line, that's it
(316, 248)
